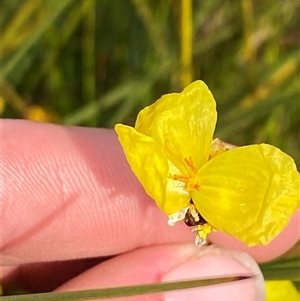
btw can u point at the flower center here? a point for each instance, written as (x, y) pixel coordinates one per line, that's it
(190, 182)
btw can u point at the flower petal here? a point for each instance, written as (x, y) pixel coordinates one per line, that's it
(150, 165)
(183, 123)
(249, 192)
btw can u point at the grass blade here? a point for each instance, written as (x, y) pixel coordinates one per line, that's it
(21, 53)
(123, 291)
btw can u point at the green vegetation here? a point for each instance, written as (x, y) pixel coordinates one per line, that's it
(95, 63)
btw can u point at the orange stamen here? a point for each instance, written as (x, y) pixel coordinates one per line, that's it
(190, 164)
(191, 185)
(181, 178)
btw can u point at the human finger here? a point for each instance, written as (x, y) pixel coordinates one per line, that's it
(173, 263)
(68, 193)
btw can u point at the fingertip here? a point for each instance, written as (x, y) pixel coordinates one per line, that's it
(215, 263)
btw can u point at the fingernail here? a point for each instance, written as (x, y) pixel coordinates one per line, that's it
(212, 262)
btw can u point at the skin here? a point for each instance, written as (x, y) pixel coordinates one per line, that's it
(70, 203)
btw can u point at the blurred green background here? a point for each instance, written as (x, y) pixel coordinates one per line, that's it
(96, 63)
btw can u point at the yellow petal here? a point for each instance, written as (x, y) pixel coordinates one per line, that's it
(249, 192)
(183, 124)
(150, 165)
(281, 290)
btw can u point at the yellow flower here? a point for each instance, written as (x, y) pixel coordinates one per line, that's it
(250, 192)
(281, 290)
